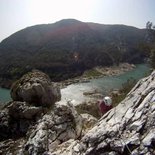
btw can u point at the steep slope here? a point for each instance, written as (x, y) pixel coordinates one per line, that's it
(128, 129)
(68, 47)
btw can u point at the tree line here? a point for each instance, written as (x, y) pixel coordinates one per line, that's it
(150, 27)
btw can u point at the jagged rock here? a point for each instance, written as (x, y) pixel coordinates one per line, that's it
(65, 148)
(36, 88)
(16, 118)
(11, 147)
(88, 122)
(62, 124)
(23, 110)
(4, 124)
(127, 129)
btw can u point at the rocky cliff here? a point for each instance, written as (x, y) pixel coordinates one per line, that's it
(127, 129)
(34, 129)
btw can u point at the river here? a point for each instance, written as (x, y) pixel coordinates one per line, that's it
(105, 84)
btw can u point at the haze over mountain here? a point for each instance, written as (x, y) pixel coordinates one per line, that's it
(68, 47)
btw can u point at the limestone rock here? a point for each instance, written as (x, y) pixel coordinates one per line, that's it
(127, 129)
(11, 147)
(37, 136)
(4, 124)
(23, 110)
(62, 124)
(36, 88)
(16, 118)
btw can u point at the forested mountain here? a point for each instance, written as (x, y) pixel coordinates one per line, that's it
(68, 47)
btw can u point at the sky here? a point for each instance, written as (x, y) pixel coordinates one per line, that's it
(19, 14)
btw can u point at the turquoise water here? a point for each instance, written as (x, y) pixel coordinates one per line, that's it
(105, 84)
(4, 95)
(74, 92)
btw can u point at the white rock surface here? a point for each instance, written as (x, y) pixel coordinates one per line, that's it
(127, 129)
(60, 125)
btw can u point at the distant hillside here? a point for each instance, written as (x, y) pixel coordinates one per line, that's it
(68, 47)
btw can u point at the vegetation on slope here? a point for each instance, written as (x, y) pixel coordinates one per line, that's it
(67, 48)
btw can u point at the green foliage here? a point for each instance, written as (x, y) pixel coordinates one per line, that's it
(151, 34)
(152, 58)
(91, 109)
(145, 49)
(92, 73)
(149, 25)
(51, 48)
(127, 86)
(124, 90)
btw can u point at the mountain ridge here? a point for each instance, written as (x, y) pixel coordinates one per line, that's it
(68, 47)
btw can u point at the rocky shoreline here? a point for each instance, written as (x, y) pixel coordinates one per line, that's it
(101, 72)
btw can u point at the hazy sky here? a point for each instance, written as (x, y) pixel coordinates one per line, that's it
(18, 14)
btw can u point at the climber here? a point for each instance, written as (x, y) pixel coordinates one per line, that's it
(105, 105)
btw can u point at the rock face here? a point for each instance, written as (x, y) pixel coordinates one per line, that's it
(36, 88)
(16, 118)
(4, 124)
(23, 110)
(29, 126)
(127, 129)
(55, 127)
(32, 95)
(62, 124)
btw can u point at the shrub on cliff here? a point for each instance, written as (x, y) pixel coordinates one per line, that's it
(124, 90)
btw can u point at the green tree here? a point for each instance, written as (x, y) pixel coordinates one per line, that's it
(152, 58)
(149, 25)
(151, 34)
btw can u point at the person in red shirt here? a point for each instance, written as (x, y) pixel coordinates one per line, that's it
(105, 105)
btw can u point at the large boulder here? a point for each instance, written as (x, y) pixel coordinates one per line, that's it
(33, 94)
(17, 117)
(36, 88)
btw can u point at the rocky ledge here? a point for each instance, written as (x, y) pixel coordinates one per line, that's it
(36, 129)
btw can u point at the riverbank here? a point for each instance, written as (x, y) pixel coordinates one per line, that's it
(99, 87)
(99, 72)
